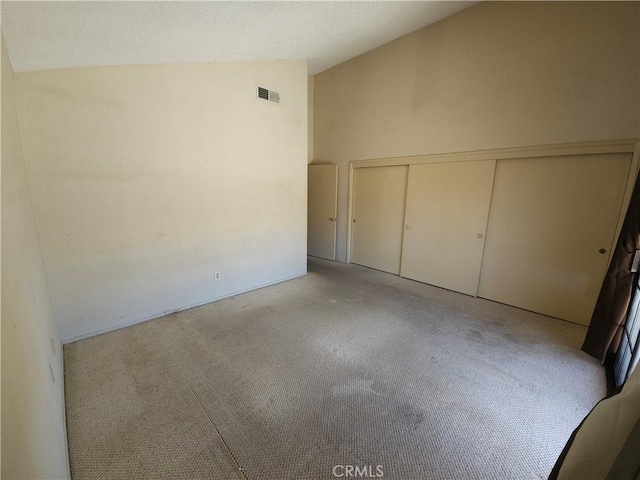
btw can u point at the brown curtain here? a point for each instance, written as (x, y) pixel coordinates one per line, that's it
(609, 315)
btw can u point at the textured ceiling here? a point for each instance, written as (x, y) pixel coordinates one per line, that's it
(47, 35)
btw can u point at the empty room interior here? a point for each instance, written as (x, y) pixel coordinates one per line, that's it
(316, 240)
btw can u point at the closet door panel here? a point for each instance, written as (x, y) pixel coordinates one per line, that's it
(551, 230)
(446, 220)
(378, 217)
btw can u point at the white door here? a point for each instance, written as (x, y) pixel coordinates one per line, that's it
(378, 217)
(445, 223)
(322, 210)
(551, 229)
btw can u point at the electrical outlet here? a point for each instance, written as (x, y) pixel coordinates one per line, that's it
(216, 275)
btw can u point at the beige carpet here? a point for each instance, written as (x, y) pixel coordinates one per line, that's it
(346, 366)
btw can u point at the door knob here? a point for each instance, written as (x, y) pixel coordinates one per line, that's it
(480, 235)
(333, 219)
(407, 227)
(602, 251)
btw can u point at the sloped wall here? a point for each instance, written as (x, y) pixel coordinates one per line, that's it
(498, 75)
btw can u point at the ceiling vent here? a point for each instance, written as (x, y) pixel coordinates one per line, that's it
(266, 94)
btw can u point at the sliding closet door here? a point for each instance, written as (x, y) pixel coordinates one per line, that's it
(551, 228)
(378, 217)
(446, 221)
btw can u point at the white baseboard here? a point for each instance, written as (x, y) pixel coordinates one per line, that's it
(180, 309)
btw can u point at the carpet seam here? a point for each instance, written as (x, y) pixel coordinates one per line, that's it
(226, 446)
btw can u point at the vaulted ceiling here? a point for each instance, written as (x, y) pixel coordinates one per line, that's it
(49, 35)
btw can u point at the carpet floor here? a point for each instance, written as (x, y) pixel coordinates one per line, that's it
(346, 366)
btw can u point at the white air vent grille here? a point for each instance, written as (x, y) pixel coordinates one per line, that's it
(266, 94)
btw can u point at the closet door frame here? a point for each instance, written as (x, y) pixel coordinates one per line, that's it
(584, 148)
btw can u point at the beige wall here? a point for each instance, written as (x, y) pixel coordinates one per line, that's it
(498, 75)
(146, 180)
(33, 429)
(310, 90)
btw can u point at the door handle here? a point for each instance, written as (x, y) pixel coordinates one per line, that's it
(333, 219)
